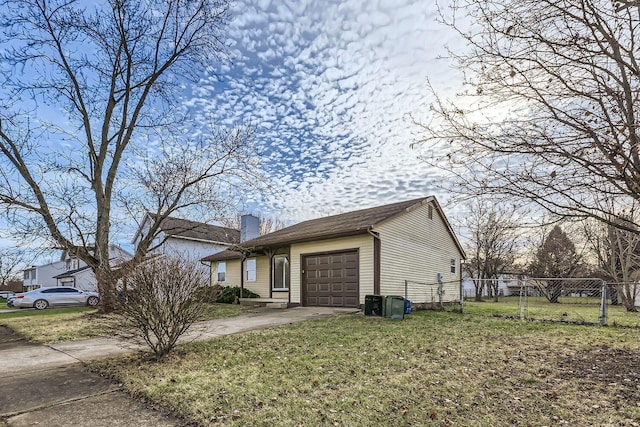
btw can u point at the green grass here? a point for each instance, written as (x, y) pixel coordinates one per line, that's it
(571, 310)
(76, 323)
(433, 369)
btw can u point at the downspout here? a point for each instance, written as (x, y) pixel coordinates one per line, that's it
(210, 270)
(377, 245)
(242, 275)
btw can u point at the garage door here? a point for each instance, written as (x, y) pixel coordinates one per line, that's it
(330, 280)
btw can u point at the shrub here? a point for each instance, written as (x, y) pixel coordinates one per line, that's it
(228, 294)
(160, 301)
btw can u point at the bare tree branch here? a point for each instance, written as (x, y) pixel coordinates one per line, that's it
(121, 143)
(550, 114)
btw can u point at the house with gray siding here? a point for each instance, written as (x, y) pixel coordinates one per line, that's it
(187, 239)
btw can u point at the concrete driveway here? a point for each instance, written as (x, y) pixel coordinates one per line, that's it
(48, 385)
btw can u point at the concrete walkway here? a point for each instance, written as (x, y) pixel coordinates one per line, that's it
(48, 385)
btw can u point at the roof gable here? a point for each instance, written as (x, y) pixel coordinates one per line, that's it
(345, 224)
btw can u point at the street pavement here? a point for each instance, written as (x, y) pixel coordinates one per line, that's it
(48, 385)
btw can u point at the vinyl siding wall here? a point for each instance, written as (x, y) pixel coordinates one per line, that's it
(416, 248)
(364, 244)
(234, 274)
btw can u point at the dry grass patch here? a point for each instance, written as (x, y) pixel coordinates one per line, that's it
(71, 324)
(431, 369)
(59, 324)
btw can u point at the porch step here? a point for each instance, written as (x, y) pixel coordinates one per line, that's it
(265, 302)
(276, 305)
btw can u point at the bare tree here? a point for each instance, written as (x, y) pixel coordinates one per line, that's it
(618, 254)
(492, 242)
(550, 110)
(91, 128)
(12, 262)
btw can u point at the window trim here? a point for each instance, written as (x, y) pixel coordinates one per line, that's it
(454, 265)
(247, 277)
(218, 272)
(285, 272)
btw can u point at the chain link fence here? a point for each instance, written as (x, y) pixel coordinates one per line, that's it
(436, 295)
(576, 300)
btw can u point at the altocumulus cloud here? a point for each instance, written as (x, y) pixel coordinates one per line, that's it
(329, 86)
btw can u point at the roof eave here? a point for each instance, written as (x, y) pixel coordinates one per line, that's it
(285, 242)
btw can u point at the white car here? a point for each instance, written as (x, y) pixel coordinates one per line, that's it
(55, 297)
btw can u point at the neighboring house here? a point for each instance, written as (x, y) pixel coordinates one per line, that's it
(12, 286)
(338, 260)
(508, 285)
(69, 271)
(188, 239)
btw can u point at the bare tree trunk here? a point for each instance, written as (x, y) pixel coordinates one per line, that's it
(107, 288)
(479, 289)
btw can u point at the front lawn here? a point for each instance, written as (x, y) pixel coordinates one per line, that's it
(55, 325)
(434, 368)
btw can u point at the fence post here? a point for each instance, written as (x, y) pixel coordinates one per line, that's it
(520, 302)
(523, 303)
(603, 305)
(461, 296)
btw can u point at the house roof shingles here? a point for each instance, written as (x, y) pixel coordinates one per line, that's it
(346, 224)
(186, 229)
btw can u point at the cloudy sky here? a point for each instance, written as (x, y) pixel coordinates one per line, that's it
(331, 87)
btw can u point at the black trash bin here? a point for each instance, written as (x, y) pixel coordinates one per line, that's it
(373, 305)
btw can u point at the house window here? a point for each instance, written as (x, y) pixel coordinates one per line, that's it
(280, 273)
(430, 212)
(251, 270)
(222, 272)
(453, 266)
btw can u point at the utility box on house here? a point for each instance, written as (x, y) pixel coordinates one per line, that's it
(394, 307)
(373, 305)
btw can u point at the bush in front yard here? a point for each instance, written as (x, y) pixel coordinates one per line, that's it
(160, 301)
(228, 294)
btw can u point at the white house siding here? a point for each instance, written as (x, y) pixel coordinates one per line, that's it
(364, 244)
(84, 280)
(189, 249)
(192, 250)
(416, 248)
(45, 273)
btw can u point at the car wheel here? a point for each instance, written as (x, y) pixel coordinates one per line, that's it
(92, 301)
(40, 304)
